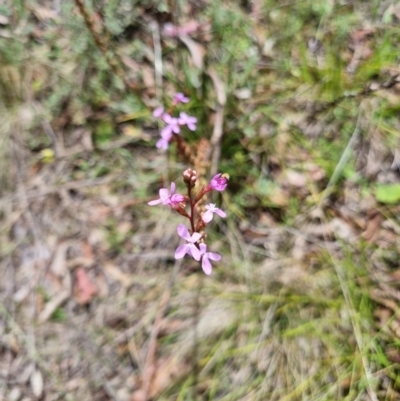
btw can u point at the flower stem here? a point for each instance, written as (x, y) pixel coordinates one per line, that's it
(192, 204)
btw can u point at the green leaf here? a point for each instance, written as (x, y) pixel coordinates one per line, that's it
(388, 193)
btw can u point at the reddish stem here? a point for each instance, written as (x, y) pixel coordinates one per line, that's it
(192, 204)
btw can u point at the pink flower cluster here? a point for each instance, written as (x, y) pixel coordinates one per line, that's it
(194, 245)
(173, 124)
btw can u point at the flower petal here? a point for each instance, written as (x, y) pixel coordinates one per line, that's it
(207, 216)
(195, 237)
(176, 128)
(154, 202)
(163, 192)
(206, 265)
(195, 252)
(162, 144)
(213, 256)
(183, 232)
(220, 213)
(181, 251)
(167, 118)
(166, 133)
(203, 248)
(158, 112)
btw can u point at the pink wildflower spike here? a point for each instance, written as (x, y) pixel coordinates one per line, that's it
(206, 257)
(190, 247)
(190, 121)
(180, 98)
(219, 182)
(158, 112)
(166, 198)
(211, 209)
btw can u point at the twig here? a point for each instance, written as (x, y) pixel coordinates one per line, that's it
(113, 60)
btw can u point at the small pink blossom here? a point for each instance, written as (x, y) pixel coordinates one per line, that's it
(158, 112)
(190, 247)
(206, 257)
(166, 198)
(173, 31)
(170, 30)
(219, 182)
(180, 98)
(162, 144)
(172, 125)
(211, 209)
(190, 121)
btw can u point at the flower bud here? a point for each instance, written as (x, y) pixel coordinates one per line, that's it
(190, 177)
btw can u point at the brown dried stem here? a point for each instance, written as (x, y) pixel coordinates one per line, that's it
(201, 165)
(113, 60)
(200, 162)
(184, 150)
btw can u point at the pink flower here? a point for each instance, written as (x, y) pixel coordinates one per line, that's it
(173, 31)
(190, 121)
(190, 247)
(162, 144)
(172, 126)
(158, 112)
(166, 198)
(211, 209)
(170, 30)
(219, 182)
(206, 257)
(180, 98)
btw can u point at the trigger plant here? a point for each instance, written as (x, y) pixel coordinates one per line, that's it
(186, 205)
(192, 205)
